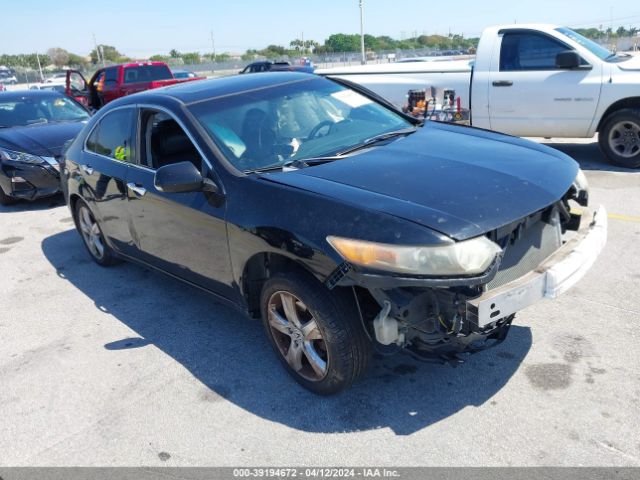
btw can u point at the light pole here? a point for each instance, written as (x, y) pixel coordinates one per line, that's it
(364, 57)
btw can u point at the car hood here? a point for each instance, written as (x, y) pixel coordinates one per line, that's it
(45, 139)
(459, 181)
(632, 64)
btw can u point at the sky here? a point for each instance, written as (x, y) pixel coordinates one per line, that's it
(139, 28)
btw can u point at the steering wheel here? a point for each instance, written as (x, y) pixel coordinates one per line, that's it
(315, 130)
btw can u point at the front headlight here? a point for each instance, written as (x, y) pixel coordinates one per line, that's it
(470, 257)
(20, 157)
(581, 182)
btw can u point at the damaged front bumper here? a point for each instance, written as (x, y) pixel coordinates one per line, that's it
(27, 181)
(554, 276)
(437, 318)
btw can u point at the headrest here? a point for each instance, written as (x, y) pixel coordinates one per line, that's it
(171, 139)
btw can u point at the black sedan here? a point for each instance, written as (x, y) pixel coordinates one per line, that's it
(34, 126)
(345, 225)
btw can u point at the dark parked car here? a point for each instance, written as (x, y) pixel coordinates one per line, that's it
(34, 126)
(268, 66)
(346, 225)
(183, 74)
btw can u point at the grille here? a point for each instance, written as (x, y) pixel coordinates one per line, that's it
(522, 256)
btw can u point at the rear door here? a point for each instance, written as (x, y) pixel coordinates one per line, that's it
(108, 152)
(181, 233)
(530, 96)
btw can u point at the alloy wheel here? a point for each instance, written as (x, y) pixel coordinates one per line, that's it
(297, 336)
(90, 232)
(624, 139)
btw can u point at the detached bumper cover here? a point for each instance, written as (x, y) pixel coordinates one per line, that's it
(554, 276)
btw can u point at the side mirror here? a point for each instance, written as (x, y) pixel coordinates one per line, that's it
(568, 60)
(182, 177)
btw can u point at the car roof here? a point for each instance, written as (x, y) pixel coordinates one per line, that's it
(195, 91)
(35, 94)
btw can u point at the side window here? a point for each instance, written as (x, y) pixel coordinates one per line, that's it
(130, 75)
(112, 137)
(529, 51)
(111, 76)
(163, 141)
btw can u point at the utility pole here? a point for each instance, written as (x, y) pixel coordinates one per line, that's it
(364, 56)
(39, 67)
(213, 47)
(95, 44)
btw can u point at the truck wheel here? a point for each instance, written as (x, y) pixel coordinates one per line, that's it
(5, 199)
(619, 138)
(92, 236)
(316, 333)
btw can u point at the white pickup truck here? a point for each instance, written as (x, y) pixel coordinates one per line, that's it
(533, 81)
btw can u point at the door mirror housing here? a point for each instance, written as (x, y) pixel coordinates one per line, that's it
(568, 60)
(182, 177)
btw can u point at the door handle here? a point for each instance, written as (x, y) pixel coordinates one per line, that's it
(87, 169)
(502, 83)
(137, 189)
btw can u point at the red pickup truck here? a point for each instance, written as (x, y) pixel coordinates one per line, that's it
(116, 81)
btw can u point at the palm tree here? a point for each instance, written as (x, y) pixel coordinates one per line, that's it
(297, 44)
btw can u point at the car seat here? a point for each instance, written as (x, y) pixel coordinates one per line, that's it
(170, 144)
(25, 113)
(258, 137)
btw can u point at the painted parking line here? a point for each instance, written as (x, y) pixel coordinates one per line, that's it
(613, 216)
(624, 218)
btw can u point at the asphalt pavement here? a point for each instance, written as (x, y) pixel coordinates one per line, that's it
(124, 366)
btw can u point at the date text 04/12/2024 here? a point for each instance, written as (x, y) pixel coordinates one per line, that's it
(317, 473)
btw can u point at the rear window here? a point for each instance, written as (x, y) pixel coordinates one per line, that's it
(146, 73)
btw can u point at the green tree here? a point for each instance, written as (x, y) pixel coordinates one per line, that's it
(296, 44)
(310, 45)
(59, 56)
(249, 55)
(340, 42)
(191, 57)
(159, 58)
(77, 61)
(174, 53)
(110, 54)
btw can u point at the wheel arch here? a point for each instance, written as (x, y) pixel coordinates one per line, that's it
(626, 103)
(259, 268)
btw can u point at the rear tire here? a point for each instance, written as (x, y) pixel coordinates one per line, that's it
(92, 235)
(619, 138)
(6, 200)
(316, 333)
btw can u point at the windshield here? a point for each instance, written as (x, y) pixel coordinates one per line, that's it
(28, 110)
(590, 45)
(296, 121)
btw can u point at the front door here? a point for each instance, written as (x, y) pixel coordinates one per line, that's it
(76, 87)
(529, 96)
(181, 233)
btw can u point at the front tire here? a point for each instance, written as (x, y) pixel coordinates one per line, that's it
(316, 333)
(92, 236)
(619, 138)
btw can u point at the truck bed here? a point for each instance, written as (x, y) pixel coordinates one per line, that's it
(393, 80)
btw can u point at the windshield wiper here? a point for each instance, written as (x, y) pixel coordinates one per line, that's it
(309, 162)
(296, 164)
(379, 138)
